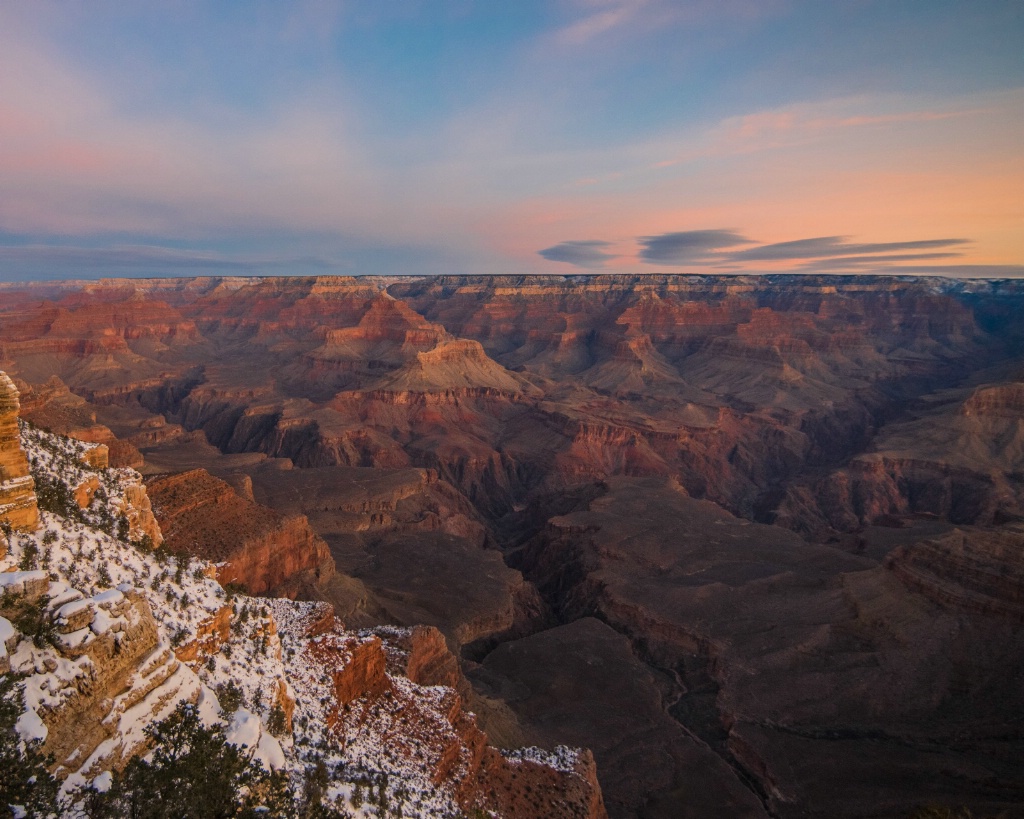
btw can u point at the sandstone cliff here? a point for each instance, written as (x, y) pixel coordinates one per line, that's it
(255, 547)
(18, 507)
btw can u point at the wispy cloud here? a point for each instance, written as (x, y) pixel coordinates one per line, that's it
(589, 253)
(596, 18)
(826, 246)
(600, 17)
(717, 247)
(689, 246)
(800, 124)
(40, 261)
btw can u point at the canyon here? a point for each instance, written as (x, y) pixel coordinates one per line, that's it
(106, 635)
(756, 542)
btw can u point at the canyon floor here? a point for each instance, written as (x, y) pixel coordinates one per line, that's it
(756, 542)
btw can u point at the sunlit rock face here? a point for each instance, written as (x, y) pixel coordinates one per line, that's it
(18, 505)
(254, 547)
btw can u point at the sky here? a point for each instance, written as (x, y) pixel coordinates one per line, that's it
(397, 137)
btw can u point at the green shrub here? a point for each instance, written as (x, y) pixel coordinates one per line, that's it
(229, 696)
(35, 622)
(54, 496)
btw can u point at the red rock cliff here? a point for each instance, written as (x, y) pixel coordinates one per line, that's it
(18, 505)
(261, 549)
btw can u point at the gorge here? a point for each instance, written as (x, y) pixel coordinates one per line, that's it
(756, 542)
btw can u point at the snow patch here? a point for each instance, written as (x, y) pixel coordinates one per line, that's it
(30, 728)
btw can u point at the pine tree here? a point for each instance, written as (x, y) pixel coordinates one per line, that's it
(192, 773)
(25, 781)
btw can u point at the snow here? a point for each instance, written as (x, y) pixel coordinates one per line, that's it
(109, 599)
(269, 752)
(103, 782)
(208, 707)
(244, 730)
(68, 610)
(7, 634)
(61, 593)
(562, 759)
(103, 622)
(30, 728)
(76, 639)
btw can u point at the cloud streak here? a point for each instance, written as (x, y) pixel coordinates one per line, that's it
(688, 246)
(827, 246)
(589, 253)
(716, 247)
(39, 261)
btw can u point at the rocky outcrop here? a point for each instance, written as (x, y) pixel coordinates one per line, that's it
(86, 491)
(53, 406)
(97, 457)
(429, 661)
(210, 635)
(88, 711)
(24, 588)
(18, 505)
(356, 666)
(256, 547)
(137, 508)
(368, 689)
(974, 570)
(104, 661)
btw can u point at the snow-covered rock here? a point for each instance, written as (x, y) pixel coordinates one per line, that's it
(127, 634)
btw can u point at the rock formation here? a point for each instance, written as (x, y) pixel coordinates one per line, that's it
(18, 506)
(254, 546)
(54, 407)
(110, 638)
(366, 674)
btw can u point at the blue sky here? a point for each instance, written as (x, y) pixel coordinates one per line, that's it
(178, 138)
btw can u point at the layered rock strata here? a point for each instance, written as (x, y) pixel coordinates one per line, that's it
(253, 546)
(18, 504)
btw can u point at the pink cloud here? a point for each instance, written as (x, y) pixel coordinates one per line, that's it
(599, 22)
